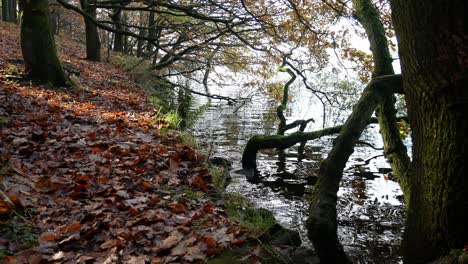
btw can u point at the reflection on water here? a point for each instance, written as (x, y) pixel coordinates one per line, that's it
(370, 208)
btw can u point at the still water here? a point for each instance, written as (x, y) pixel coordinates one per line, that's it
(370, 205)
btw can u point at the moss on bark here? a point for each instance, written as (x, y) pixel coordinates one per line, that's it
(432, 47)
(38, 46)
(394, 149)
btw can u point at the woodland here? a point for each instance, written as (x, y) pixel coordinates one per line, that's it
(97, 102)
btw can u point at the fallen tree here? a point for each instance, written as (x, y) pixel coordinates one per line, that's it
(258, 142)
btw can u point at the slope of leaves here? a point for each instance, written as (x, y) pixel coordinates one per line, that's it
(105, 184)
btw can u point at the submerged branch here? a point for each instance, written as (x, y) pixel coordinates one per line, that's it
(256, 143)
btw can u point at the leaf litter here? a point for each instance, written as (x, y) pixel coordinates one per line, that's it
(105, 183)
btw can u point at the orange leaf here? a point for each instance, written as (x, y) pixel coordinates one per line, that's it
(5, 207)
(146, 185)
(49, 236)
(210, 242)
(70, 228)
(96, 150)
(163, 150)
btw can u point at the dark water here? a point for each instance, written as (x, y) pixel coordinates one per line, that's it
(370, 208)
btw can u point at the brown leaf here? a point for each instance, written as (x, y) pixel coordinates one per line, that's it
(178, 208)
(45, 184)
(210, 241)
(194, 253)
(70, 228)
(174, 238)
(28, 256)
(109, 244)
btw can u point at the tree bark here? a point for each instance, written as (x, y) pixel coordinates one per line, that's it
(116, 18)
(9, 11)
(53, 16)
(38, 46)
(394, 149)
(93, 44)
(432, 38)
(151, 30)
(322, 222)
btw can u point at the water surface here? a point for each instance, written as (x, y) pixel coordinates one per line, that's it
(370, 208)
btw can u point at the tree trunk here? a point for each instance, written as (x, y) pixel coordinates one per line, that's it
(322, 222)
(38, 46)
(53, 16)
(118, 37)
(280, 109)
(9, 11)
(93, 44)
(394, 149)
(432, 38)
(151, 30)
(141, 32)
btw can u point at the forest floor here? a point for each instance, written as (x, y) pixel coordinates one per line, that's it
(87, 177)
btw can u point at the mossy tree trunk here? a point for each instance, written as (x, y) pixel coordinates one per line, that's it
(93, 44)
(322, 222)
(432, 40)
(284, 102)
(256, 143)
(394, 149)
(38, 46)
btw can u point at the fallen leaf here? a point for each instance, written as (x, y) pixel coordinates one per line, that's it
(96, 150)
(70, 228)
(174, 238)
(49, 236)
(109, 244)
(45, 184)
(210, 241)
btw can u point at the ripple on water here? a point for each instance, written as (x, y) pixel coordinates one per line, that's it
(370, 206)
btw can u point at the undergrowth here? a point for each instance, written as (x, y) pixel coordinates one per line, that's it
(177, 109)
(253, 220)
(18, 231)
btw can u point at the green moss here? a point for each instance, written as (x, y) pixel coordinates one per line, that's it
(254, 220)
(219, 180)
(17, 230)
(4, 120)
